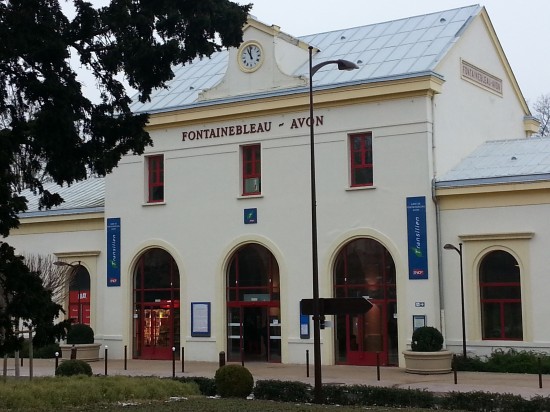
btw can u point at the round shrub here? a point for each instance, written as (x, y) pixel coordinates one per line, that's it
(73, 367)
(426, 339)
(80, 334)
(234, 381)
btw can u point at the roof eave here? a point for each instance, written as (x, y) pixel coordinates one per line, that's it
(486, 181)
(420, 82)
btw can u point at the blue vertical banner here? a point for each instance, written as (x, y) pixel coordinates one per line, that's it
(417, 240)
(113, 251)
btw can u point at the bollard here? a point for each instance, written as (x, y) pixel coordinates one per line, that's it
(173, 362)
(307, 363)
(73, 352)
(454, 369)
(125, 357)
(378, 366)
(182, 359)
(222, 359)
(106, 352)
(56, 360)
(540, 374)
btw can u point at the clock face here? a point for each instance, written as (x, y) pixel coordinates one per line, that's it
(250, 57)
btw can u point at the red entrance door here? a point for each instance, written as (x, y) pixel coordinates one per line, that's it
(365, 268)
(157, 326)
(156, 306)
(366, 337)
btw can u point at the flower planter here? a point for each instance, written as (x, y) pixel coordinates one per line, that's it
(427, 363)
(88, 352)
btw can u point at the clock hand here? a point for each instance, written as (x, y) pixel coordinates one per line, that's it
(250, 52)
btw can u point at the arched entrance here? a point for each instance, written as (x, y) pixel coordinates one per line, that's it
(253, 307)
(156, 306)
(364, 267)
(79, 296)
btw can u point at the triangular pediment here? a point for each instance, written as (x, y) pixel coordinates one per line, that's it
(268, 65)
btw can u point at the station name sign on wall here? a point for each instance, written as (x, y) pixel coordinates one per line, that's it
(248, 128)
(480, 78)
(417, 237)
(113, 251)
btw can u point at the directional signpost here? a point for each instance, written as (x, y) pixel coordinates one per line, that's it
(336, 306)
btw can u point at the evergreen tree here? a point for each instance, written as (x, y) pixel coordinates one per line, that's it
(49, 129)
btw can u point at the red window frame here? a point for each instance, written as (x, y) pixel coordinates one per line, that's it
(509, 271)
(251, 169)
(361, 166)
(155, 179)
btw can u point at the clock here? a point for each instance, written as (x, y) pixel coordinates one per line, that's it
(250, 56)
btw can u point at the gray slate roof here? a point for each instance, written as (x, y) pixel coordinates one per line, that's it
(87, 196)
(395, 49)
(502, 161)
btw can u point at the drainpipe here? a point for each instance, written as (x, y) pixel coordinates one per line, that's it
(437, 223)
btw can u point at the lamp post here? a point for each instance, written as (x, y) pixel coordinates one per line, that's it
(342, 65)
(458, 250)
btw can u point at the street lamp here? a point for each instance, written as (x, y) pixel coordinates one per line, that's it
(342, 65)
(458, 250)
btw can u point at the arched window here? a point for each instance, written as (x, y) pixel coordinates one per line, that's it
(156, 306)
(500, 291)
(79, 296)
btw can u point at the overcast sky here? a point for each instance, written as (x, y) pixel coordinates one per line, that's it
(523, 28)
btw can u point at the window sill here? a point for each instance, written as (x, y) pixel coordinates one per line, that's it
(153, 204)
(355, 188)
(249, 196)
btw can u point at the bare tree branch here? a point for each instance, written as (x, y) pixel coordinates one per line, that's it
(57, 279)
(542, 113)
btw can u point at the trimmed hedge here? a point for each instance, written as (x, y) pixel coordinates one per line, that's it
(80, 333)
(362, 395)
(509, 361)
(426, 339)
(73, 367)
(207, 386)
(234, 381)
(282, 391)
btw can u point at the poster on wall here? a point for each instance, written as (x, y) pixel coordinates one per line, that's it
(304, 326)
(113, 251)
(417, 241)
(200, 319)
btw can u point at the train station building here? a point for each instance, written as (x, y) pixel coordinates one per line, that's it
(205, 241)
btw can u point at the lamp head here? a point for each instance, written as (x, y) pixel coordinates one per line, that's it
(71, 265)
(448, 246)
(346, 65)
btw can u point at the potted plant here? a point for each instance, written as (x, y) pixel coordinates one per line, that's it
(80, 339)
(426, 355)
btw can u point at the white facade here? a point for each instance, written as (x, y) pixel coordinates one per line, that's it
(422, 124)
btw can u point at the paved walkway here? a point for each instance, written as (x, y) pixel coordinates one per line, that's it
(520, 384)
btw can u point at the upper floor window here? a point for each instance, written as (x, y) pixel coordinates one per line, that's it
(500, 292)
(361, 159)
(251, 169)
(155, 178)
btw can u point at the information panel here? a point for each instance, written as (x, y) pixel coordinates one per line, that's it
(113, 251)
(417, 242)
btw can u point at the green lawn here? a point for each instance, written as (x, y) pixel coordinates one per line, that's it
(135, 394)
(203, 404)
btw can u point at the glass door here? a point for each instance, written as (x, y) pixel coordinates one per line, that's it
(157, 330)
(253, 333)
